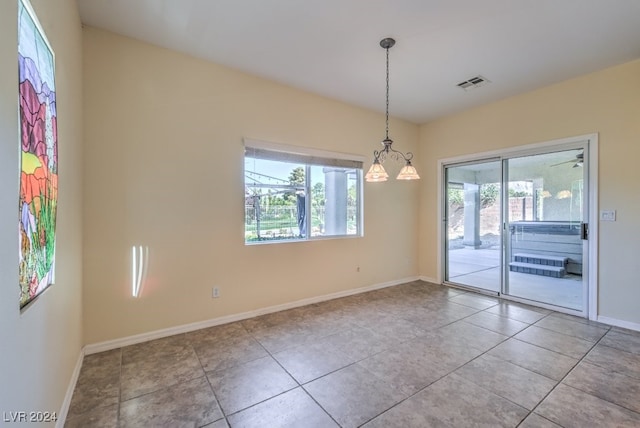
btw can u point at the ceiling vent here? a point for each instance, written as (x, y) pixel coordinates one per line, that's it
(473, 83)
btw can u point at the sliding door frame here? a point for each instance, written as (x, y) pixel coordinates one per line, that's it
(445, 217)
(590, 141)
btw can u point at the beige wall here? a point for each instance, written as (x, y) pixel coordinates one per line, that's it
(40, 346)
(162, 156)
(607, 103)
(164, 168)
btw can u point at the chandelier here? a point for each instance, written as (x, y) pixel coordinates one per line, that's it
(377, 173)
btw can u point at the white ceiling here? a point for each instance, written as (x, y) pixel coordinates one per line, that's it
(331, 47)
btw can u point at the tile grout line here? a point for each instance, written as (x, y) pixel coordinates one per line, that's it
(495, 346)
(120, 386)
(121, 353)
(558, 382)
(166, 387)
(604, 368)
(576, 322)
(299, 385)
(448, 373)
(71, 417)
(563, 378)
(213, 391)
(393, 312)
(341, 368)
(443, 376)
(485, 353)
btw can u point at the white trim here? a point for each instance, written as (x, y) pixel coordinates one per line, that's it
(429, 279)
(440, 218)
(309, 151)
(542, 305)
(348, 160)
(619, 323)
(185, 328)
(518, 150)
(64, 409)
(472, 289)
(294, 240)
(592, 256)
(591, 141)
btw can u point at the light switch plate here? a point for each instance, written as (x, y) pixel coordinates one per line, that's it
(608, 215)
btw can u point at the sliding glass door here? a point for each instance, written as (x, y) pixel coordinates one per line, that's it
(473, 217)
(515, 225)
(544, 228)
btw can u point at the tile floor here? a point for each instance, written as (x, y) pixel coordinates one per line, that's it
(413, 355)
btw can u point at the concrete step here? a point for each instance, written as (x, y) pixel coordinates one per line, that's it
(538, 269)
(541, 259)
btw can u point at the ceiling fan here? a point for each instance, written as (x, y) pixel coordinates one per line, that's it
(577, 162)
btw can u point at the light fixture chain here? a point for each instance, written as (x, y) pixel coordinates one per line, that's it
(376, 172)
(387, 107)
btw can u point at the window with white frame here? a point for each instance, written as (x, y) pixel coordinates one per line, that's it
(295, 193)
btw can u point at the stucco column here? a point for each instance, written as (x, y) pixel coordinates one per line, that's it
(472, 215)
(335, 214)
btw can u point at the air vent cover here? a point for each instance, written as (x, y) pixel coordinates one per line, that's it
(473, 83)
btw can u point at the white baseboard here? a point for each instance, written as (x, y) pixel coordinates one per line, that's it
(185, 328)
(429, 279)
(619, 323)
(64, 409)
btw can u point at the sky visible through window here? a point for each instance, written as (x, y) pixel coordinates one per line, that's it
(279, 170)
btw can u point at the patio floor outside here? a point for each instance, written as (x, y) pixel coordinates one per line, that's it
(481, 268)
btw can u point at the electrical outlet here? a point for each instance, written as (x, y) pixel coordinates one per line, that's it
(215, 293)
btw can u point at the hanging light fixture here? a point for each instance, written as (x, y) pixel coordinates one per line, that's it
(377, 173)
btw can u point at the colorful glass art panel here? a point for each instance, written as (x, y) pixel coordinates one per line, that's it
(39, 157)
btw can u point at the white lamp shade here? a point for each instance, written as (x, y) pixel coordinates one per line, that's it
(376, 173)
(408, 172)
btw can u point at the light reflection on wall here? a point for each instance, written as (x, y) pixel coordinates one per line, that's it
(139, 264)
